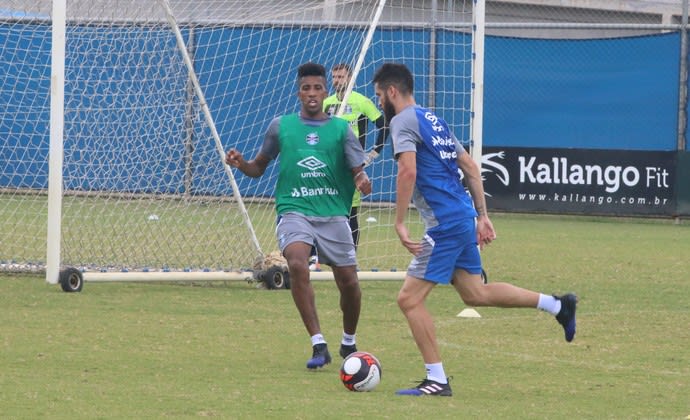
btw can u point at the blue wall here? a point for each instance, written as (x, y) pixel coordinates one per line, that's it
(594, 94)
(25, 110)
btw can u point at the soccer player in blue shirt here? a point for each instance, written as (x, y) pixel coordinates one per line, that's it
(429, 156)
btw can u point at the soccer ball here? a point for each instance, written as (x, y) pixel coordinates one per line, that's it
(360, 372)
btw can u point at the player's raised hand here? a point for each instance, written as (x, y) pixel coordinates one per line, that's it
(234, 158)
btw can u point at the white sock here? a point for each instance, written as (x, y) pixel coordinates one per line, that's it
(549, 304)
(435, 372)
(348, 339)
(317, 339)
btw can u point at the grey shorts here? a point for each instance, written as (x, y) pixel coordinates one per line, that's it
(330, 235)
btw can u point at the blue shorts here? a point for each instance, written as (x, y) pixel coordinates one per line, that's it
(447, 248)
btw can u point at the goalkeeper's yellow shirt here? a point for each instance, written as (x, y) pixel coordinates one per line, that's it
(356, 106)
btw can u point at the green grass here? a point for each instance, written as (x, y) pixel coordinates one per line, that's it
(111, 233)
(234, 351)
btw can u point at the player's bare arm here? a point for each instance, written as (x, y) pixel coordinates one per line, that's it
(407, 176)
(253, 168)
(362, 181)
(473, 180)
(382, 134)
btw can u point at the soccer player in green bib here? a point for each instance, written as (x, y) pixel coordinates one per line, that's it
(321, 165)
(358, 111)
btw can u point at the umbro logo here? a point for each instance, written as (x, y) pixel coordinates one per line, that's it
(311, 163)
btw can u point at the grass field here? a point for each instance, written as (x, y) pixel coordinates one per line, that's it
(234, 351)
(114, 234)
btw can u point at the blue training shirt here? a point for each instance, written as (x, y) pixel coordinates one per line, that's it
(438, 195)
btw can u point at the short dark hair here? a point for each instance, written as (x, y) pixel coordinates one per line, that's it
(343, 66)
(310, 69)
(394, 74)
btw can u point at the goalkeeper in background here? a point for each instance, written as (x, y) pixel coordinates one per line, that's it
(359, 110)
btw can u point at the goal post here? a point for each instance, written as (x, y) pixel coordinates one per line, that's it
(55, 153)
(477, 91)
(196, 86)
(361, 56)
(155, 92)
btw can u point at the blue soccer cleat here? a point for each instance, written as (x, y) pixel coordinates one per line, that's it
(320, 357)
(566, 316)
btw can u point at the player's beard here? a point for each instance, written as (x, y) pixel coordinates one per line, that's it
(388, 109)
(340, 91)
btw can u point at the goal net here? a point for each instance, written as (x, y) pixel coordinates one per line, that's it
(152, 100)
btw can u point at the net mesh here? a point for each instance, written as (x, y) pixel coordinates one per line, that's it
(144, 183)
